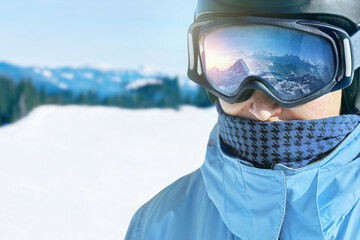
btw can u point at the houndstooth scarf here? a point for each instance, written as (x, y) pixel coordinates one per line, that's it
(293, 143)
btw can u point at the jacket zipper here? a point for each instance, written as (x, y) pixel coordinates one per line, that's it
(284, 205)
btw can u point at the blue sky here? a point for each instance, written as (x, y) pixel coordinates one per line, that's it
(121, 34)
(231, 41)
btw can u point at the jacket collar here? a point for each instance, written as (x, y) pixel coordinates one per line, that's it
(286, 203)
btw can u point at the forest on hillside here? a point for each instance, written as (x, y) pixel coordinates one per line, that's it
(18, 99)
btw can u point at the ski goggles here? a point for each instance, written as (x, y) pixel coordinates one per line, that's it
(293, 61)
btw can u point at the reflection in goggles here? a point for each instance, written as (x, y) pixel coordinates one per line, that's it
(293, 64)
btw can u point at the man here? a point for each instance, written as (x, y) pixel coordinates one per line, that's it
(283, 161)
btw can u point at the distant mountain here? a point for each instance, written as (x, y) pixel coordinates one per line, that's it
(293, 64)
(292, 75)
(239, 67)
(82, 79)
(288, 74)
(143, 88)
(230, 78)
(296, 86)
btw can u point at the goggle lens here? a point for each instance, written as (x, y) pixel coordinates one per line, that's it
(292, 64)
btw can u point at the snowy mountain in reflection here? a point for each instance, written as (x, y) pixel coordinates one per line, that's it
(288, 74)
(229, 79)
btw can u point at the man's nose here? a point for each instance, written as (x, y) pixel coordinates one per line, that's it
(263, 107)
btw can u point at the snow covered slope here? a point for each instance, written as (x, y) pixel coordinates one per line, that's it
(81, 172)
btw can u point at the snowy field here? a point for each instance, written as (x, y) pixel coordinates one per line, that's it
(81, 172)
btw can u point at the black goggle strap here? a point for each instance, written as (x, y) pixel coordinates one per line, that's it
(355, 42)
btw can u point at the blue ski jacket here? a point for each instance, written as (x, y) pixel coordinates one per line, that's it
(227, 199)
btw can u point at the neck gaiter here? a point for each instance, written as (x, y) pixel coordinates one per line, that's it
(293, 143)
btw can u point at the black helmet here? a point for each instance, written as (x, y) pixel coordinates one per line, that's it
(341, 13)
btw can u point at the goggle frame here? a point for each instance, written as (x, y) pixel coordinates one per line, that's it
(339, 39)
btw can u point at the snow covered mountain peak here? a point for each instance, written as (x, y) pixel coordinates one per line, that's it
(239, 66)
